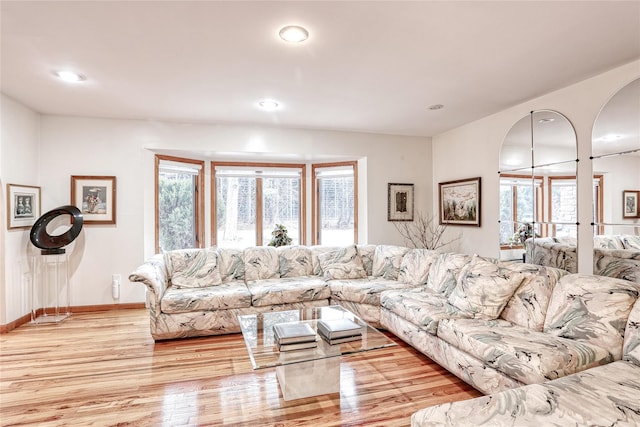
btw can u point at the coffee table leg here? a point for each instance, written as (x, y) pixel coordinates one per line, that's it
(306, 379)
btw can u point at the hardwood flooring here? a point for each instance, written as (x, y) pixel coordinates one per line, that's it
(103, 368)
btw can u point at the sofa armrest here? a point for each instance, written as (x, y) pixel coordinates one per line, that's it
(153, 273)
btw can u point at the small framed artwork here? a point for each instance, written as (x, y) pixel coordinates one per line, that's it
(400, 202)
(23, 205)
(630, 204)
(460, 202)
(95, 196)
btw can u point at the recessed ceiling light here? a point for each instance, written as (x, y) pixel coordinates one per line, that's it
(268, 105)
(70, 76)
(294, 34)
(436, 107)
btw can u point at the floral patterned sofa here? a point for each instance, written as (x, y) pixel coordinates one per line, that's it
(604, 395)
(497, 325)
(199, 292)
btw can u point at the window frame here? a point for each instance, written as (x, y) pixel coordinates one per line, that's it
(259, 208)
(199, 197)
(538, 212)
(315, 203)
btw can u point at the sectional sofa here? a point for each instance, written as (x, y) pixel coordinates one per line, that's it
(613, 255)
(498, 326)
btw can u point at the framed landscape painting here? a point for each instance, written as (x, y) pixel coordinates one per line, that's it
(400, 202)
(23, 205)
(460, 202)
(95, 196)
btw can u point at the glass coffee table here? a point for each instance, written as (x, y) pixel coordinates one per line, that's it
(307, 372)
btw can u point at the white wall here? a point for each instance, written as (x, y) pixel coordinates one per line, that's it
(19, 160)
(473, 150)
(125, 148)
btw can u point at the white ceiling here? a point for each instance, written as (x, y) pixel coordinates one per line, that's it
(369, 66)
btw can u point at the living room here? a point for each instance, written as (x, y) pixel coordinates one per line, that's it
(43, 147)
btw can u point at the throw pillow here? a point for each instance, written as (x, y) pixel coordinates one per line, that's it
(484, 288)
(415, 265)
(344, 263)
(231, 264)
(295, 261)
(591, 309)
(194, 268)
(444, 272)
(630, 242)
(387, 260)
(261, 262)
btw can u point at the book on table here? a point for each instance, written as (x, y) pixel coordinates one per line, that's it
(297, 346)
(296, 332)
(344, 339)
(333, 329)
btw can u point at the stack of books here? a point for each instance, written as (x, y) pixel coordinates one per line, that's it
(337, 331)
(294, 336)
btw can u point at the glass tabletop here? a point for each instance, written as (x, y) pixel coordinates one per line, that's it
(257, 330)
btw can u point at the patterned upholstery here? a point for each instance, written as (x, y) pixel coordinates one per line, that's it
(295, 261)
(415, 266)
(523, 354)
(231, 264)
(444, 272)
(261, 262)
(194, 268)
(287, 290)
(343, 263)
(591, 309)
(220, 297)
(484, 288)
(387, 260)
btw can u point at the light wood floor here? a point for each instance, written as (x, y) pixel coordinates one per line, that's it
(104, 369)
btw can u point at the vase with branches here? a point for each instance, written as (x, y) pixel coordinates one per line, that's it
(424, 232)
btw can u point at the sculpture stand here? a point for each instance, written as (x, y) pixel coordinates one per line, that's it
(50, 294)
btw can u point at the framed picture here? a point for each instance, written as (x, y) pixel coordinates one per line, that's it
(460, 202)
(400, 202)
(23, 205)
(95, 196)
(630, 204)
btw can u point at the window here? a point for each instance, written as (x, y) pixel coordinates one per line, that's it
(598, 203)
(179, 203)
(563, 207)
(335, 203)
(520, 204)
(251, 198)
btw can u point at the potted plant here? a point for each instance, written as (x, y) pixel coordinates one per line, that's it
(279, 236)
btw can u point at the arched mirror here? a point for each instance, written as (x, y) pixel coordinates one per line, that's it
(615, 159)
(538, 191)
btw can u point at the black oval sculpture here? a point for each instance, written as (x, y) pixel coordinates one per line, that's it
(52, 245)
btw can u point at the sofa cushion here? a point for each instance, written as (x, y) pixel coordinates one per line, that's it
(630, 241)
(316, 251)
(367, 252)
(387, 260)
(364, 291)
(631, 348)
(602, 396)
(592, 309)
(484, 288)
(231, 264)
(444, 272)
(343, 263)
(285, 290)
(619, 263)
(607, 242)
(420, 306)
(261, 262)
(415, 265)
(526, 355)
(295, 261)
(220, 297)
(194, 268)
(528, 305)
